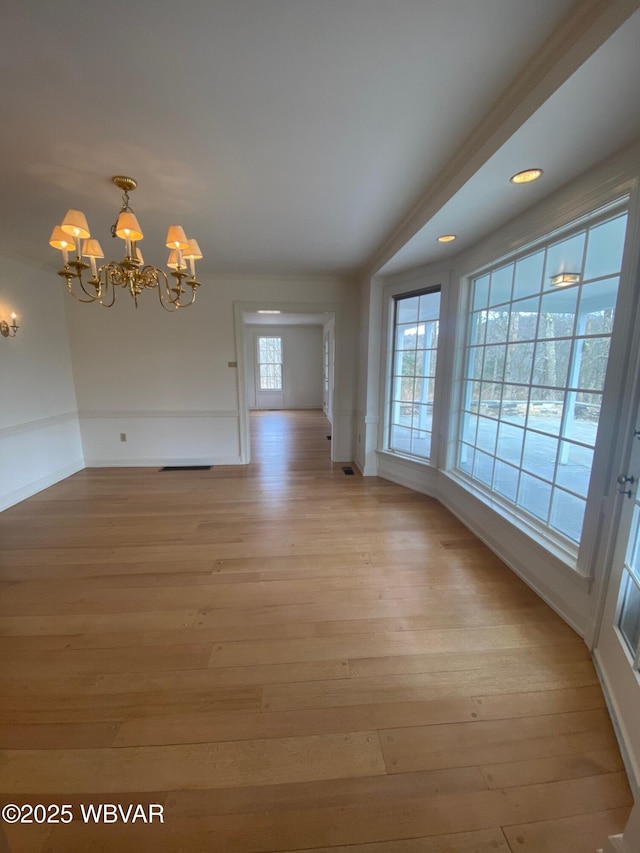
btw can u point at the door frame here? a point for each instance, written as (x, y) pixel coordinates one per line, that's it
(331, 310)
(625, 415)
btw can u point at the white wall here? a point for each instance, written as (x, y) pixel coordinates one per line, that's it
(39, 432)
(302, 364)
(165, 380)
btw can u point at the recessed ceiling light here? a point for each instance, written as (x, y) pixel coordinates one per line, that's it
(526, 176)
(446, 238)
(267, 311)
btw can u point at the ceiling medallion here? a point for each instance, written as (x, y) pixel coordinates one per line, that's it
(131, 273)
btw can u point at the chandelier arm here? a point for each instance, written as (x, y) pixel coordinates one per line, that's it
(69, 276)
(107, 281)
(93, 297)
(75, 295)
(168, 302)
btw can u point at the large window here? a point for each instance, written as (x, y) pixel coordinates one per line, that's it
(270, 364)
(536, 356)
(415, 340)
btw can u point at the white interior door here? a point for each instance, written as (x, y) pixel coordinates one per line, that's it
(618, 647)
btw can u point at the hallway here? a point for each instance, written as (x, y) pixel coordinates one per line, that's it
(287, 658)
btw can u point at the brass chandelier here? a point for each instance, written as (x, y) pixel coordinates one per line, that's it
(131, 272)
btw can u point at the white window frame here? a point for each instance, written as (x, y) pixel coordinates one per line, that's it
(413, 286)
(259, 388)
(567, 551)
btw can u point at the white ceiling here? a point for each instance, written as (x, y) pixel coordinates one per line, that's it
(295, 136)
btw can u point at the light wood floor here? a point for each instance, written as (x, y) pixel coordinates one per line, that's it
(287, 658)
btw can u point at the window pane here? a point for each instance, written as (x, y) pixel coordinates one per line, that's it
(474, 362)
(534, 496)
(539, 454)
(481, 292)
(467, 455)
(505, 480)
(593, 358)
(519, 363)
(545, 410)
(551, 366)
(629, 623)
(567, 514)
(574, 467)
(497, 326)
(271, 377)
(510, 443)
(558, 313)
(407, 310)
(478, 327)
(513, 406)
(604, 249)
(493, 367)
(483, 467)
(597, 307)
(406, 337)
(487, 434)
(421, 444)
(400, 438)
(528, 276)
(469, 426)
(501, 285)
(524, 320)
(270, 350)
(565, 256)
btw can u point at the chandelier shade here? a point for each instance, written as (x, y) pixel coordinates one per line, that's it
(60, 239)
(128, 227)
(75, 224)
(131, 273)
(176, 238)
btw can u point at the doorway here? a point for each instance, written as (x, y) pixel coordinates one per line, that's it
(292, 373)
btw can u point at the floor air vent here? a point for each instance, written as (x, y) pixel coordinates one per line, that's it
(348, 470)
(186, 468)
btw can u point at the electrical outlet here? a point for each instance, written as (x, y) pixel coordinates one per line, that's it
(123, 436)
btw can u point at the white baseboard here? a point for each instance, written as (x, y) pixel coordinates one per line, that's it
(36, 486)
(145, 462)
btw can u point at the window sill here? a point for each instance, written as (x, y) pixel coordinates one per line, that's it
(562, 552)
(401, 457)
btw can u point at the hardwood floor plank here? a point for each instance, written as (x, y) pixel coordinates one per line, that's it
(181, 728)
(512, 773)
(495, 741)
(293, 759)
(424, 686)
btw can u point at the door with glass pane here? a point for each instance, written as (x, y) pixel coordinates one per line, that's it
(269, 372)
(618, 648)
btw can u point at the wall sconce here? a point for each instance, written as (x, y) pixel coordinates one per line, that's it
(9, 331)
(563, 278)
